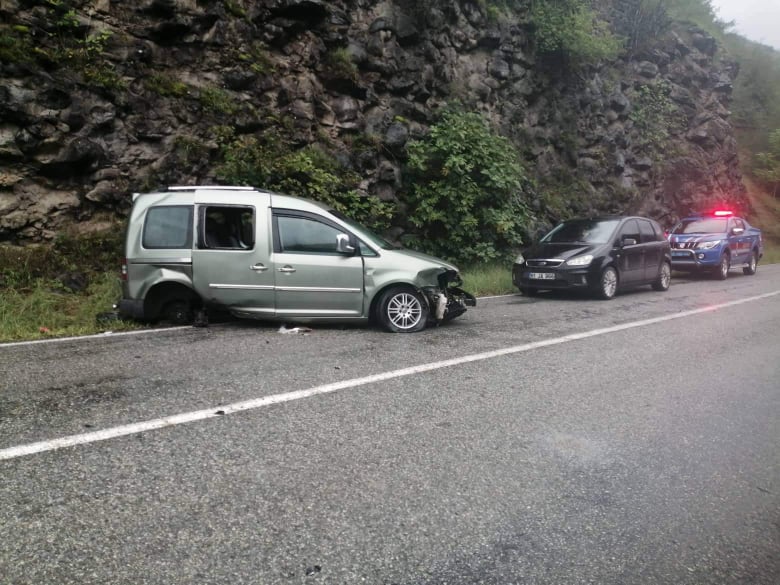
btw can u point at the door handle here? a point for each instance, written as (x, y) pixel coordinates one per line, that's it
(259, 267)
(287, 269)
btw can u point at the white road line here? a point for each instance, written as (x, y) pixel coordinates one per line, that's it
(95, 336)
(187, 417)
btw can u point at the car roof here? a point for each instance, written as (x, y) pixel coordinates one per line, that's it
(608, 217)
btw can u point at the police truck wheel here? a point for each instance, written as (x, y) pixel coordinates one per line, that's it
(723, 268)
(750, 269)
(402, 310)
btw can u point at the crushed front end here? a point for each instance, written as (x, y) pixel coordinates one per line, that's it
(448, 300)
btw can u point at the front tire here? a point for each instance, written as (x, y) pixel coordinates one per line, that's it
(608, 283)
(724, 267)
(664, 278)
(402, 310)
(752, 266)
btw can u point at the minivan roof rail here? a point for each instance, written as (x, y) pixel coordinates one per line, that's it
(209, 187)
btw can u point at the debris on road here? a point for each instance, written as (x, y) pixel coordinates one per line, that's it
(303, 330)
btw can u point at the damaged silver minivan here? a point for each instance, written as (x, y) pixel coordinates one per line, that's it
(263, 255)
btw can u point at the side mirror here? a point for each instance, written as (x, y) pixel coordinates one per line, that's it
(737, 231)
(629, 242)
(343, 246)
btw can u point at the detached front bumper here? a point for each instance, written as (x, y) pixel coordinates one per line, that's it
(134, 309)
(448, 300)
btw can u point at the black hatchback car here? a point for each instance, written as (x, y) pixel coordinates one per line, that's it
(599, 255)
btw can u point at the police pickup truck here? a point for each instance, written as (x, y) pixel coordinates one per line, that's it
(714, 242)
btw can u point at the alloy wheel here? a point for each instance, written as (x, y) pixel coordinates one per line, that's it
(404, 310)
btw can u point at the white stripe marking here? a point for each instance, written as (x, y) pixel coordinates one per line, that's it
(187, 417)
(95, 336)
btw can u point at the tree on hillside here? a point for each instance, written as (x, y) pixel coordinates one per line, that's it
(640, 22)
(767, 166)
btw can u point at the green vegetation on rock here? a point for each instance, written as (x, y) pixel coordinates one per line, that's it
(467, 191)
(272, 163)
(572, 30)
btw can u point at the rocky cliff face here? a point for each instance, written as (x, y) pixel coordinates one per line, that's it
(102, 98)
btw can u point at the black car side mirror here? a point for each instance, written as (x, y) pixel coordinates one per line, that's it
(629, 242)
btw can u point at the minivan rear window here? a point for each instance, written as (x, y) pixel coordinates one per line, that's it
(168, 227)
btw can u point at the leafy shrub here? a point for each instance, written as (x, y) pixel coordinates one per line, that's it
(235, 9)
(569, 29)
(257, 58)
(309, 172)
(466, 191)
(15, 46)
(214, 99)
(655, 115)
(767, 164)
(641, 22)
(340, 63)
(190, 149)
(165, 85)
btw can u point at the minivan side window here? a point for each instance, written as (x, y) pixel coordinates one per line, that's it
(304, 235)
(168, 227)
(228, 227)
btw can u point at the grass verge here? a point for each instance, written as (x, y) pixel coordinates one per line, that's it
(488, 279)
(47, 309)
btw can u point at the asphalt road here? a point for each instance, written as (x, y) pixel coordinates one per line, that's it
(553, 440)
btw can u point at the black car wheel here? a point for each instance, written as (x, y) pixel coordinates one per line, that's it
(664, 278)
(402, 310)
(723, 267)
(752, 266)
(608, 283)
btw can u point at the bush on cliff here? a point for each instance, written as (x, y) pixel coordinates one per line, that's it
(466, 191)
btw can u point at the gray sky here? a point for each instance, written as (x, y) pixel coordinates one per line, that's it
(758, 20)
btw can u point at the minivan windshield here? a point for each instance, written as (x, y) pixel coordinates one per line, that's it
(366, 233)
(582, 231)
(708, 225)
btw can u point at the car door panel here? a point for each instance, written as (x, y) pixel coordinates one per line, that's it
(231, 269)
(312, 279)
(653, 250)
(631, 257)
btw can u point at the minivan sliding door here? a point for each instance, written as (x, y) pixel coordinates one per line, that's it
(231, 261)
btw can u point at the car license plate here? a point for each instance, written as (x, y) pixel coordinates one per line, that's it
(680, 254)
(541, 275)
